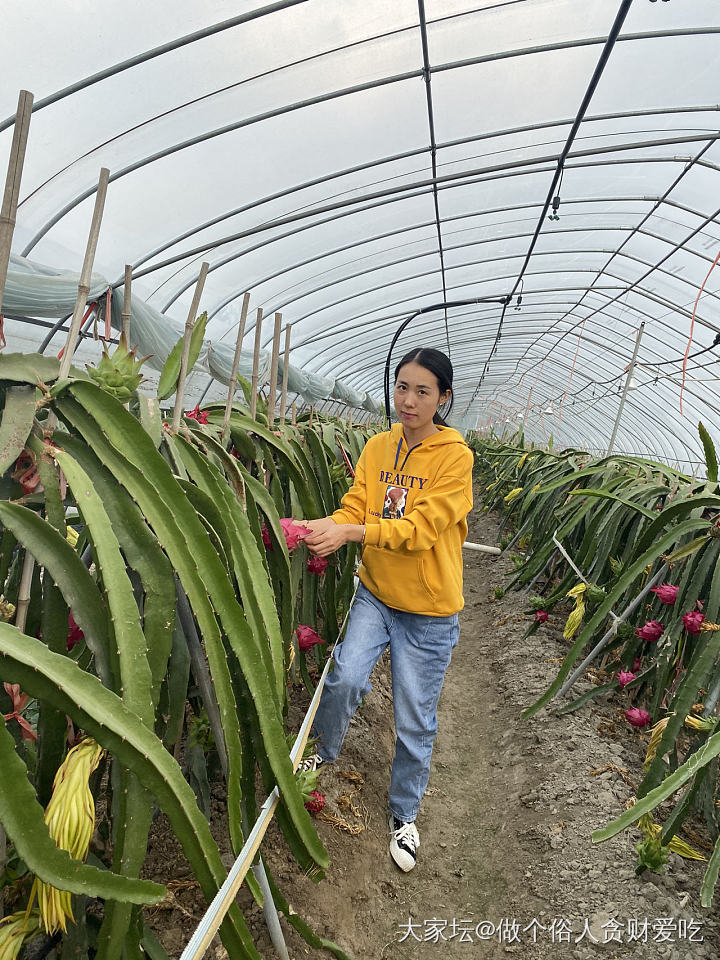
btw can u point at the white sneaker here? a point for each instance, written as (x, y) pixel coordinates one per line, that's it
(313, 762)
(404, 841)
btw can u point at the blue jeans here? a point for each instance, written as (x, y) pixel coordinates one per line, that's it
(420, 651)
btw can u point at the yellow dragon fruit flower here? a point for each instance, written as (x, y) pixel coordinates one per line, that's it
(656, 733)
(704, 724)
(15, 930)
(70, 817)
(513, 493)
(576, 616)
(678, 846)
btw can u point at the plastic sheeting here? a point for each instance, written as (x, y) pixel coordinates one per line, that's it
(291, 148)
(36, 290)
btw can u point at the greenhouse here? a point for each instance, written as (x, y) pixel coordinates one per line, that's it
(326, 327)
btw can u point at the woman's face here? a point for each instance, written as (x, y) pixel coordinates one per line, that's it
(417, 396)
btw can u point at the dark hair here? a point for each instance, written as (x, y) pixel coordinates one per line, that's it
(437, 363)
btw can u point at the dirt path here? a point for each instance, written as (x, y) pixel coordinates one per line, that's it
(506, 865)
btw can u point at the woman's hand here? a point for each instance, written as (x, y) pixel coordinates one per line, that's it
(328, 536)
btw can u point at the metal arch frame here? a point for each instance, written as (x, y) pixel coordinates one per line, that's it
(151, 54)
(678, 246)
(474, 263)
(659, 202)
(356, 88)
(418, 226)
(394, 233)
(410, 191)
(649, 295)
(342, 214)
(566, 366)
(462, 217)
(606, 399)
(393, 158)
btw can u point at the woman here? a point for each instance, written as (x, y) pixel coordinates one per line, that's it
(407, 508)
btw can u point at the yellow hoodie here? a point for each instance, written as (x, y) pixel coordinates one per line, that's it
(414, 504)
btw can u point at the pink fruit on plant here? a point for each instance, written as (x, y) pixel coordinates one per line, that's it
(316, 565)
(75, 634)
(624, 677)
(637, 665)
(316, 802)
(307, 638)
(637, 716)
(293, 532)
(666, 593)
(651, 631)
(541, 616)
(197, 414)
(693, 621)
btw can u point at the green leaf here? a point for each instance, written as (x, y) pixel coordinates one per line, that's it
(672, 783)
(167, 385)
(103, 715)
(23, 819)
(711, 874)
(52, 551)
(17, 420)
(609, 496)
(33, 368)
(129, 453)
(135, 679)
(625, 581)
(710, 454)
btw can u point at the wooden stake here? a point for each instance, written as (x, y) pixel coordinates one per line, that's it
(8, 213)
(85, 274)
(236, 364)
(51, 423)
(256, 363)
(189, 324)
(312, 411)
(286, 367)
(293, 414)
(272, 389)
(127, 304)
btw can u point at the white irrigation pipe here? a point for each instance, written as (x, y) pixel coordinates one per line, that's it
(482, 548)
(215, 913)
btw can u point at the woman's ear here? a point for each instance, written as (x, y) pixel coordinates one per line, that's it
(444, 397)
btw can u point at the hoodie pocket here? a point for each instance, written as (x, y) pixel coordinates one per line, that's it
(422, 576)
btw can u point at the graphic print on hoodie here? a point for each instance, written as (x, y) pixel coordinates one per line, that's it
(414, 503)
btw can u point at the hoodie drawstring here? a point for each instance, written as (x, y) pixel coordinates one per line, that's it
(397, 454)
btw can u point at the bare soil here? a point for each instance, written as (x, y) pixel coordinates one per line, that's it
(506, 864)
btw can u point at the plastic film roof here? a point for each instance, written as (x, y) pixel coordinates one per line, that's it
(350, 163)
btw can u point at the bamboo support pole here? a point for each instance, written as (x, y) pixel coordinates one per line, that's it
(8, 213)
(127, 304)
(189, 324)
(272, 389)
(286, 368)
(85, 274)
(293, 414)
(80, 303)
(312, 411)
(256, 363)
(236, 364)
